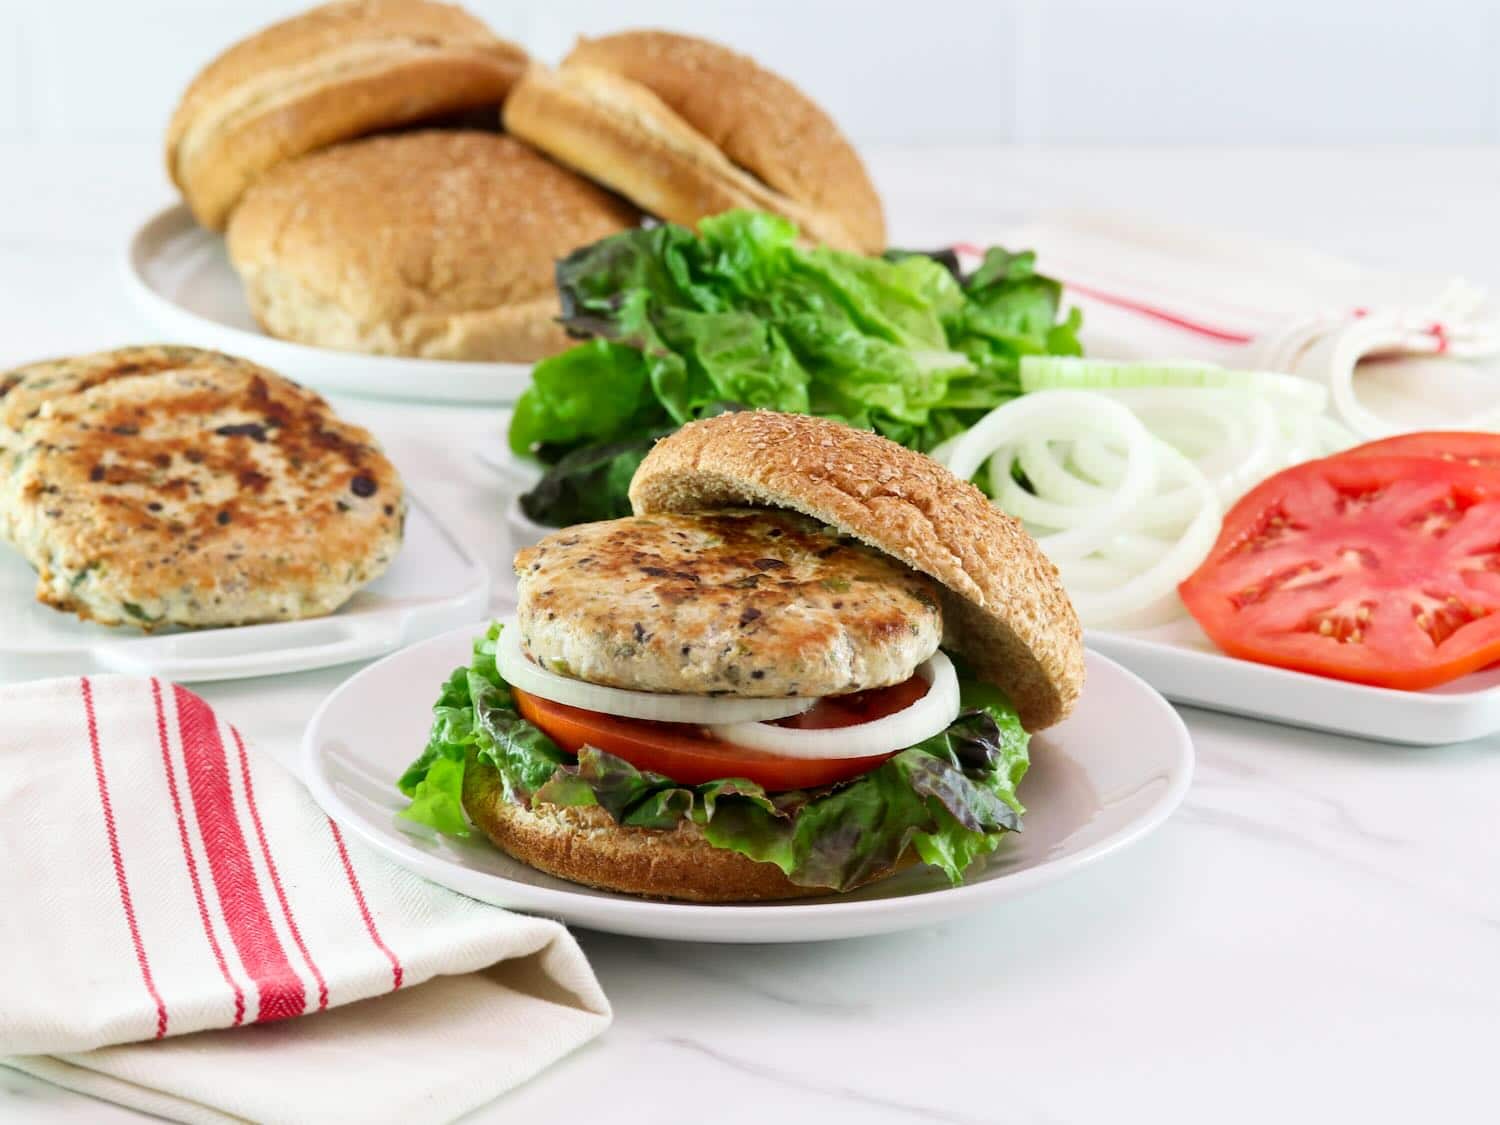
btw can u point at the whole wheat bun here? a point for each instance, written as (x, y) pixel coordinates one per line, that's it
(687, 129)
(1004, 608)
(585, 845)
(437, 243)
(758, 119)
(338, 71)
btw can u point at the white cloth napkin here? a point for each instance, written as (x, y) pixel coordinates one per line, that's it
(166, 887)
(1157, 291)
(1151, 289)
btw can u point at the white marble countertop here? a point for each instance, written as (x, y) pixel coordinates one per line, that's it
(1314, 936)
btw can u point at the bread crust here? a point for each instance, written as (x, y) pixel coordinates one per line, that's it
(759, 120)
(584, 845)
(333, 73)
(1005, 610)
(616, 131)
(436, 243)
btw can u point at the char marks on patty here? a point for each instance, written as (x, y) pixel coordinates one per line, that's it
(742, 602)
(212, 493)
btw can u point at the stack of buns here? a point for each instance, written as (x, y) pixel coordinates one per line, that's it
(353, 156)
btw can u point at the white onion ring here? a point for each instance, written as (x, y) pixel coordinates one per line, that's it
(1118, 562)
(1251, 447)
(1153, 591)
(1068, 413)
(930, 715)
(519, 670)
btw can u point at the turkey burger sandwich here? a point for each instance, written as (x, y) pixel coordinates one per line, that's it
(811, 658)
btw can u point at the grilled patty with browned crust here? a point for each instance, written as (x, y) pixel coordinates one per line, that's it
(756, 603)
(212, 494)
(25, 390)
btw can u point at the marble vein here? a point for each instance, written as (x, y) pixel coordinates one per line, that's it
(844, 1093)
(1242, 824)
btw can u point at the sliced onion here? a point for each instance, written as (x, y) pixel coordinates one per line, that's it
(1062, 414)
(1244, 442)
(518, 669)
(930, 715)
(1152, 591)
(1123, 514)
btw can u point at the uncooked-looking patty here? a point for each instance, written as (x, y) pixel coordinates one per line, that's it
(216, 494)
(755, 603)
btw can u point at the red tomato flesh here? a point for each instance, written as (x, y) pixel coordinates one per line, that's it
(1474, 450)
(1374, 568)
(683, 752)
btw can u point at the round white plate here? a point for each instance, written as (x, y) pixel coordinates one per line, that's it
(179, 276)
(1099, 781)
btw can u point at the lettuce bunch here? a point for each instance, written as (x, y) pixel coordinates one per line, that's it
(679, 323)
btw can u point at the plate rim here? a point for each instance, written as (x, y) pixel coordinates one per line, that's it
(1428, 697)
(635, 910)
(477, 588)
(1449, 716)
(162, 310)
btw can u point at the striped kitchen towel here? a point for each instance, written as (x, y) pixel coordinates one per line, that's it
(172, 899)
(1151, 289)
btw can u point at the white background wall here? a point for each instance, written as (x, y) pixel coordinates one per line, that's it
(914, 71)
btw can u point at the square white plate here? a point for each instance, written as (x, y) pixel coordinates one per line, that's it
(434, 583)
(1179, 660)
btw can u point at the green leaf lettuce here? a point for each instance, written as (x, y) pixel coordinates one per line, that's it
(739, 311)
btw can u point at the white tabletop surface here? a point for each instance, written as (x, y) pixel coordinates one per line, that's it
(1314, 936)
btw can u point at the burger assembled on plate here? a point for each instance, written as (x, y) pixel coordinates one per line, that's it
(810, 659)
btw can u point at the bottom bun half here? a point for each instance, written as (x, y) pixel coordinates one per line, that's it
(585, 845)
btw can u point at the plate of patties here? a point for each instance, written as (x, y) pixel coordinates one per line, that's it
(192, 514)
(815, 687)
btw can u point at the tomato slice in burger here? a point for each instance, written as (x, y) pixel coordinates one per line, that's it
(680, 751)
(1379, 569)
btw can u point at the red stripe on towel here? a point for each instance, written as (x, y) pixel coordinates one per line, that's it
(118, 860)
(187, 855)
(265, 851)
(1226, 335)
(397, 972)
(277, 983)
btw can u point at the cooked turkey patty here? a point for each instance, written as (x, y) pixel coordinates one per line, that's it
(24, 391)
(753, 603)
(216, 494)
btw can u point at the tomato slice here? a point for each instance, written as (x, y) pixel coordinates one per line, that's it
(1476, 450)
(859, 707)
(684, 753)
(1378, 569)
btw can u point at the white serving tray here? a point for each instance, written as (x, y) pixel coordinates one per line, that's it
(1099, 781)
(1179, 660)
(180, 278)
(434, 583)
